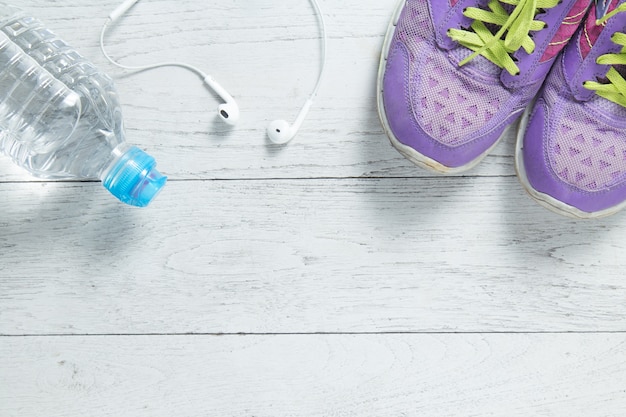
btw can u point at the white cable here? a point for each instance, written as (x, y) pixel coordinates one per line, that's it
(324, 47)
(198, 71)
(228, 111)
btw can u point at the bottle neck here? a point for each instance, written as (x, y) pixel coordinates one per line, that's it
(132, 176)
(116, 154)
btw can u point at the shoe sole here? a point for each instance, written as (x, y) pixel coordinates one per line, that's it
(411, 154)
(543, 199)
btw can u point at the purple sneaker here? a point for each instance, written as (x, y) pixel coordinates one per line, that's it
(571, 148)
(455, 74)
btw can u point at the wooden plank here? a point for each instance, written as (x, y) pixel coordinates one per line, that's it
(169, 112)
(314, 375)
(442, 254)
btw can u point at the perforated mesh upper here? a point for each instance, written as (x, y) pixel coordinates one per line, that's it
(583, 148)
(415, 26)
(451, 105)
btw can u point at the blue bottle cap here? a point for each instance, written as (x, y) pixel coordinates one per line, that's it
(134, 179)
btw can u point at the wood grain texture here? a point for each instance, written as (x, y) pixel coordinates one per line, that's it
(443, 254)
(314, 375)
(266, 53)
(365, 286)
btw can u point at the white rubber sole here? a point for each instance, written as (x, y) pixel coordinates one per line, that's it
(411, 154)
(546, 200)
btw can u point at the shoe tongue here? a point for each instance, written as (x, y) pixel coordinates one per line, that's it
(599, 9)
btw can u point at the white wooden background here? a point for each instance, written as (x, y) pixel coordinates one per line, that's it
(326, 278)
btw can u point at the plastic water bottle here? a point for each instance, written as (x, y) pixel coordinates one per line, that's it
(60, 117)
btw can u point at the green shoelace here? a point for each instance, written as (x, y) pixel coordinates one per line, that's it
(516, 26)
(615, 89)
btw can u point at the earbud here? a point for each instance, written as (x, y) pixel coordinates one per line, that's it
(281, 132)
(228, 111)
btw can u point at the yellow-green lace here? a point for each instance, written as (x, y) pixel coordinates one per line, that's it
(615, 89)
(516, 26)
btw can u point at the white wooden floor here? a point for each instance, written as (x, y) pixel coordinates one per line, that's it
(326, 278)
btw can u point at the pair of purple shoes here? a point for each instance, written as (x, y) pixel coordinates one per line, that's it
(455, 75)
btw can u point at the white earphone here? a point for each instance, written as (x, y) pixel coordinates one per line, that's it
(228, 111)
(279, 131)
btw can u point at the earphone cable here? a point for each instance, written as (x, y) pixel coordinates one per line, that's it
(201, 73)
(196, 70)
(324, 47)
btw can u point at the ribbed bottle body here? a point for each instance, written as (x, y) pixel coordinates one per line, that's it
(59, 115)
